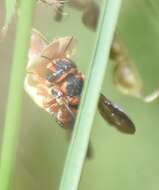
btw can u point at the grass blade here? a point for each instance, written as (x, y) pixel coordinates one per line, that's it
(79, 142)
(13, 111)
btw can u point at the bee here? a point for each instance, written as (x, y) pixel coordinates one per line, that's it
(55, 84)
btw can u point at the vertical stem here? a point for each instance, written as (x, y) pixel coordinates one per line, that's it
(13, 110)
(79, 142)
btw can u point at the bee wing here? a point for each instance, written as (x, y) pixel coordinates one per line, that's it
(115, 116)
(37, 44)
(31, 87)
(60, 48)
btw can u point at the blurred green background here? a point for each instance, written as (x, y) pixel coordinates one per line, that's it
(120, 161)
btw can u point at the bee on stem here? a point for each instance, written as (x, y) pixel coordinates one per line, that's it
(55, 84)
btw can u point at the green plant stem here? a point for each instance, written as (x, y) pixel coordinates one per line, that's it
(14, 104)
(80, 139)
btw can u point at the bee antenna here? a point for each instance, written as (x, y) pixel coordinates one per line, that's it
(69, 43)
